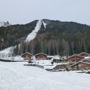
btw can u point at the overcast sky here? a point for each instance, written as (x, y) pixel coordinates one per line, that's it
(24, 11)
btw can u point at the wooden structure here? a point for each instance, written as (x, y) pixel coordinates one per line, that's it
(83, 54)
(41, 56)
(27, 56)
(75, 58)
(81, 66)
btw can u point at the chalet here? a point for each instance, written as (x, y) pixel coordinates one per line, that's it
(27, 56)
(75, 58)
(83, 65)
(83, 54)
(41, 56)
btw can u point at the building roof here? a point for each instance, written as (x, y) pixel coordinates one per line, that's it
(83, 53)
(56, 57)
(81, 61)
(87, 58)
(41, 54)
(26, 53)
(73, 56)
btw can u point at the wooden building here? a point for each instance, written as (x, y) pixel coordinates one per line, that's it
(41, 56)
(81, 66)
(27, 56)
(75, 58)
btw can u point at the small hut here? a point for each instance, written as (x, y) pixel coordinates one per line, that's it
(41, 56)
(27, 56)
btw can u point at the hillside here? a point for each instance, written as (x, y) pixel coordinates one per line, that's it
(54, 37)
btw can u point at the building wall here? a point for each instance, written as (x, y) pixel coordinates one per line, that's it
(84, 66)
(27, 58)
(75, 58)
(81, 66)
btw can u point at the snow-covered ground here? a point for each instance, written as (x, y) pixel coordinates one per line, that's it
(6, 53)
(42, 62)
(16, 76)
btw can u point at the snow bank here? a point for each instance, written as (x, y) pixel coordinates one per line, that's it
(33, 34)
(18, 58)
(42, 62)
(56, 57)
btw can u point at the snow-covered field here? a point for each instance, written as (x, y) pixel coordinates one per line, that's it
(16, 76)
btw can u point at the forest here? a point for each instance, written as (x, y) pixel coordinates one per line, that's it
(62, 38)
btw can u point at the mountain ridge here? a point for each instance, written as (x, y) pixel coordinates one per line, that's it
(54, 37)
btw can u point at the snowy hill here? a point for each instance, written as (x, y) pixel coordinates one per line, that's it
(4, 24)
(33, 34)
(48, 36)
(16, 76)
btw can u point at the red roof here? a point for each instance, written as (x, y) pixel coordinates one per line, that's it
(27, 53)
(74, 58)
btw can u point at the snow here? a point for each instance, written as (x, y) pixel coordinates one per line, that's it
(42, 62)
(16, 76)
(33, 34)
(56, 57)
(4, 23)
(44, 24)
(87, 58)
(18, 58)
(6, 53)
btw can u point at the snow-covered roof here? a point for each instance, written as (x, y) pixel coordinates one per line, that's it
(87, 58)
(26, 53)
(56, 57)
(41, 54)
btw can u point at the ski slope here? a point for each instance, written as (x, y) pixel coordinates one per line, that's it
(33, 34)
(16, 76)
(7, 52)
